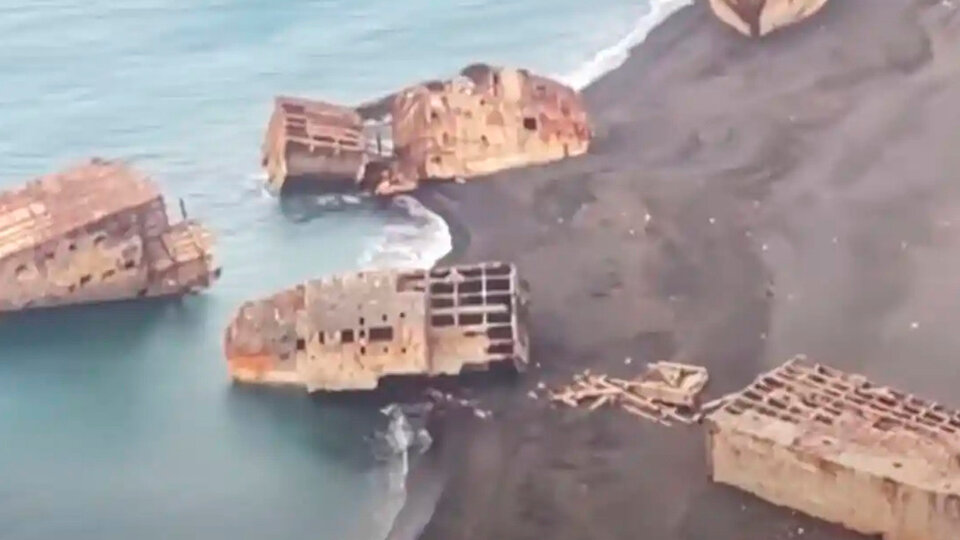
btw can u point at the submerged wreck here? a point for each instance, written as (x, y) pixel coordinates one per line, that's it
(96, 232)
(835, 446)
(484, 120)
(757, 18)
(347, 332)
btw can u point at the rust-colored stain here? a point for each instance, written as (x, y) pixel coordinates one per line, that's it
(484, 120)
(346, 332)
(98, 231)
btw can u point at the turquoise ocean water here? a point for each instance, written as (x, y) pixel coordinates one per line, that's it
(119, 421)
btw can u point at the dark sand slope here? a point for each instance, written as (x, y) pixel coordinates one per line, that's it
(834, 144)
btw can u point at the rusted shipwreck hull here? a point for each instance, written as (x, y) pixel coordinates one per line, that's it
(347, 332)
(96, 232)
(484, 120)
(837, 447)
(757, 18)
(314, 141)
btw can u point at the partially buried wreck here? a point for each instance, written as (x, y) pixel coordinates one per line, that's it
(484, 120)
(347, 332)
(838, 447)
(96, 232)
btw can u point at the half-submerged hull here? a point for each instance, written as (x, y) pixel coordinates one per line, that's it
(347, 332)
(485, 120)
(94, 233)
(757, 18)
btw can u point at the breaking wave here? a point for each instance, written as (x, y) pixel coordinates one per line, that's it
(423, 238)
(404, 437)
(419, 238)
(414, 238)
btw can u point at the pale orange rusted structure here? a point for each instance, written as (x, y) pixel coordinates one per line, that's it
(347, 332)
(485, 120)
(840, 448)
(313, 139)
(756, 18)
(98, 231)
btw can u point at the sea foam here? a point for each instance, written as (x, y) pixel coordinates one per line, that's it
(612, 57)
(424, 238)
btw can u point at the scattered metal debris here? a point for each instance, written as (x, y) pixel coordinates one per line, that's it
(439, 397)
(666, 392)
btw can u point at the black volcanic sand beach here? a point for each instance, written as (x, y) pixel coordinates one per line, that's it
(743, 201)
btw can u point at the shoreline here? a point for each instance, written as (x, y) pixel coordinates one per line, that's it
(722, 170)
(435, 202)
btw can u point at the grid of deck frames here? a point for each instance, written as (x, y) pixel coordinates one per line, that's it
(479, 298)
(802, 391)
(321, 125)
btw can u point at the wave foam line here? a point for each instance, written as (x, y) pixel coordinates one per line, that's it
(418, 242)
(426, 239)
(615, 55)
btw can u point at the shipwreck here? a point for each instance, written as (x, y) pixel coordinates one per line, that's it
(484, 120)
(757, 18)
(838, 447)
(96, 232)
(347, 332)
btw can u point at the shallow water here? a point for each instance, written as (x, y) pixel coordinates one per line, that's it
(119, 421)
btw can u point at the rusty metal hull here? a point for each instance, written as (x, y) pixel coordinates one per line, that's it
(757, 18)
(484, 120)
(347, 332)
(837, 447)
(313, 143)
(93, 233)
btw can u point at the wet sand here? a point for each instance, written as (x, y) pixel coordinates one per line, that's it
(743, 201)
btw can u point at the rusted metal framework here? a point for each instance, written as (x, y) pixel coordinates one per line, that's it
(840, 448)
(484, 120)
(315, 141)
(96, 232)
(347, 332)
(756, 18)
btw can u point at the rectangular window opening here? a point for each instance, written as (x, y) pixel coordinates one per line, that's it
(440, 303)
(381, 333)
(441, 288)
(500, 332)
(500, 348)
(471, 318)
(471, 286)
(502, 299)
(441, 320)
(498, 285)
